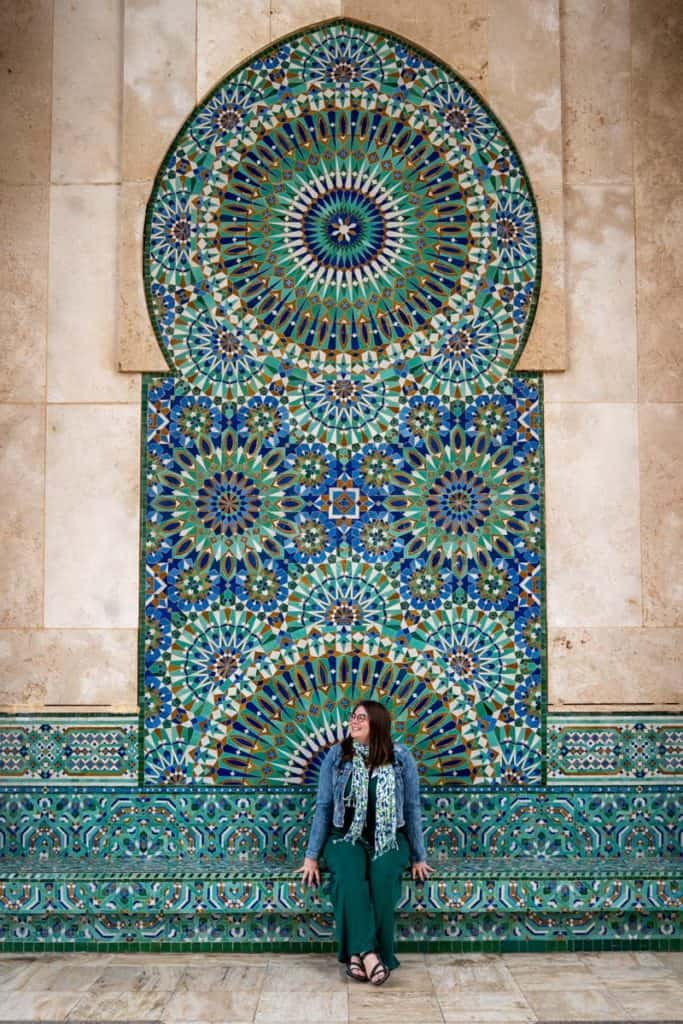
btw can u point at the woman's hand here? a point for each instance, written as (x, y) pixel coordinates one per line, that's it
(311, 871)
(421, 870)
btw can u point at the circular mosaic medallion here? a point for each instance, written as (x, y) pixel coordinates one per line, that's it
(342, 197)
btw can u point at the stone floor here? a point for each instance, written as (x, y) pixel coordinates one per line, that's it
(280, 989)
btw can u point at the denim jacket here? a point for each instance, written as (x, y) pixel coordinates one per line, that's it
(329, 808)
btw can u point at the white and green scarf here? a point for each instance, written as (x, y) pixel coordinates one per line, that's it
(385, 809)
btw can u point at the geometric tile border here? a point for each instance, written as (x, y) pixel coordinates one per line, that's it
(93, 750)
(627, 748)
(53, 749)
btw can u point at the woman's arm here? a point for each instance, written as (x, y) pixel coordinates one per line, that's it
(324, 806)
(412, 810)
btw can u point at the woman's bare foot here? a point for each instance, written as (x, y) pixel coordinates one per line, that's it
(377, 972)
(355, 969)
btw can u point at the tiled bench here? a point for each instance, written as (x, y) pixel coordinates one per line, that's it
(548, 868)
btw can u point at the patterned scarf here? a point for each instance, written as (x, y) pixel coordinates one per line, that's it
(385, 804)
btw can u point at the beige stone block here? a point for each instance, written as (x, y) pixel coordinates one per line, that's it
(546, 345)
(454, 30)
(596, 91)
(657, 84)
(26, 74)
(601, 315)
(614, 668)
(228, 31)
(81, 347)
(525, 82)
(290, 15)
(532, 357)
(524, 79)
(22, 468)
(92, 516)
(592, 514)
(60, 668)
(137, 347)
(661, 510)
(86, 106)
(659, 224)
(23, 292)
(158, 80)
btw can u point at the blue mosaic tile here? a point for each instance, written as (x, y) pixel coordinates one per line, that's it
(343, 475)
(53, 749)
(622, 748)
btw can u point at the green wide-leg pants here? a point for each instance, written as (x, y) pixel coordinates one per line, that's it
(365, 893)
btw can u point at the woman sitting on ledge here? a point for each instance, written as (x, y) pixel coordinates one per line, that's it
(368, 825)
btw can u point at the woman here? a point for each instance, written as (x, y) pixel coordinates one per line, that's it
(368, 825)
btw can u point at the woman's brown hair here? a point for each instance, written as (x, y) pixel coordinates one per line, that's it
(380, 742)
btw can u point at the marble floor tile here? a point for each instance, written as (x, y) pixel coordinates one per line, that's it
(121, 1005)
(410, 978)
(636, 968)
(138, 978)
(312, 976)
(236, 1005)
(381, 1004)
(672, 961)
(663, 1001)
(473, 1007)
(57, 977)
(277, 1007)
(199, 978)
(462, 976)
(557, 1002)
(13, 973)
(37, 1006)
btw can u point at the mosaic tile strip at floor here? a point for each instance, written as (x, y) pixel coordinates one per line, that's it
(343, 478)
(287, 933)
(622, 748)
(53, 749)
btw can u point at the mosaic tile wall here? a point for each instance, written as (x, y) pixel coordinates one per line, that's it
(343, 477)
(531, 864)
(621, 748)
(55, 749)
(599, 823)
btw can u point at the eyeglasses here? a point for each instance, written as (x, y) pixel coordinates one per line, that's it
(355, 717)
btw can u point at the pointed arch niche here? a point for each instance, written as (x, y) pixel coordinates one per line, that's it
(343, 471)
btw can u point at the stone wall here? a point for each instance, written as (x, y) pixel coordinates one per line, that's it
(94, 94)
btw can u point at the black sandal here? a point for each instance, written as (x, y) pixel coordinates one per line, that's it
(379, 966)
(359, 967)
